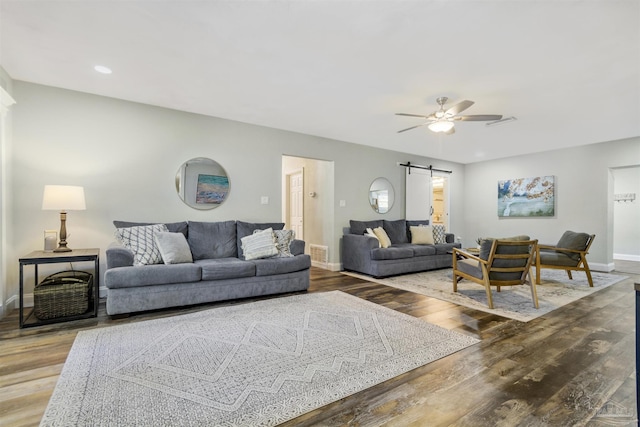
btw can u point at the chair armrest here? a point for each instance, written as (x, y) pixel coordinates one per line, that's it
(461, 253)
(118, 256)
(449, 238)
(557, 249)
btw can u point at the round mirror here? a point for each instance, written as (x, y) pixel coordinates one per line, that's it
(202, 183)
(381, 195)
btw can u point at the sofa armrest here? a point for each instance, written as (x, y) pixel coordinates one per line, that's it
(449, 238)
(356, 252)
(118, 256)
(297, 247)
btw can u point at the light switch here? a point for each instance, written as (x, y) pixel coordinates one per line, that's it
(264, 200)
(343, 203)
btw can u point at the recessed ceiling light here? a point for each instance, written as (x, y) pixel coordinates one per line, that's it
(102, 69)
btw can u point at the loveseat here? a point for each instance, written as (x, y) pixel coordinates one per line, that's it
(200, 262)
(364, 253)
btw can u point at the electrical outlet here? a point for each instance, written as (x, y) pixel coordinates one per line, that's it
(264, 200)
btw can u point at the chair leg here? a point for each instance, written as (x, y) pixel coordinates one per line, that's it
(487, 288)
(534, 293)
(455, 282)
(537, 275)
(587, 272)
(569, 274)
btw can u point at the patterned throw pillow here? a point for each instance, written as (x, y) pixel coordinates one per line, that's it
(260, 244)
(140, 240)
(283, 241)
(438, 234)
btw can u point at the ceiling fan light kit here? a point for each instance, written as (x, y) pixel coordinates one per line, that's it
(441, 121)
(440, 126)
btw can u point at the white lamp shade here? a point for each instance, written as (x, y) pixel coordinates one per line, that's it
(441, 126)
(63, 198)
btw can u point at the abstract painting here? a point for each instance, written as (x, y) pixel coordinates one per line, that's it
(526, 197)
(212, 189)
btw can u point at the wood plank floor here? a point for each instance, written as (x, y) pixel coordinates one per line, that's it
(573, 367)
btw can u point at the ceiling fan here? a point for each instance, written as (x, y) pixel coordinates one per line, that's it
(442, 120)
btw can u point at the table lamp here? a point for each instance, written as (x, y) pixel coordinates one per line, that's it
(63, 198)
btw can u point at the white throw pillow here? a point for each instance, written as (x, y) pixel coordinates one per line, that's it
(260, 244)
(141, 242)
(283, 240)
(382, 236)
(421, 235)
(173, 248)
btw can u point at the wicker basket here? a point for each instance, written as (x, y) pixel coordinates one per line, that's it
(62, 294)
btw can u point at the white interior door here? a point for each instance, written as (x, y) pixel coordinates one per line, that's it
(296, 203)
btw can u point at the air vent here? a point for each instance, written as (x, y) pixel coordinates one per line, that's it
(319, 255)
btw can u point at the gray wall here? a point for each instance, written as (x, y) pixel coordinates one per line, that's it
(626, 214)
(584, 195)
(126, 156)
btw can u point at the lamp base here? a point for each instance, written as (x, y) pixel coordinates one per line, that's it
(62, 249)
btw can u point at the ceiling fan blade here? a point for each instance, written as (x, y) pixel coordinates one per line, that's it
(459, 107)
(430, 116)
(479, 117)
(413, 127)
(450, 131)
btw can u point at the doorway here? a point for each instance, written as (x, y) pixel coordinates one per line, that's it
(294, 209)
(427, 195)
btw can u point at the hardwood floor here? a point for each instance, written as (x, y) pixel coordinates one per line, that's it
(573, 367)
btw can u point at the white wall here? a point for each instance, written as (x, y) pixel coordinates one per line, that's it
(126, 155)
(626, 215)
(6, 106)
(584, 199)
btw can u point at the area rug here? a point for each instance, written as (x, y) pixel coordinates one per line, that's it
(254, 364)
(554, 291)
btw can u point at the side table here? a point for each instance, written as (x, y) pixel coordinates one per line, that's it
(36, 258)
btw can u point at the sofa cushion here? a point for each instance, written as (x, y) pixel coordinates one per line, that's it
(260, 244)
(271, 266)
(396, 230)
(173, 248)
(226, 268)
(246, 228)
(421, 235)
(140, 240)
(391, 253)
(382, 236)
(359, 227)
(212, 239)
(423, 250)
(575, 241)
(174, 227)
(149, 275)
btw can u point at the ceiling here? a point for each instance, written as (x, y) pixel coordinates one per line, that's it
(568, 71)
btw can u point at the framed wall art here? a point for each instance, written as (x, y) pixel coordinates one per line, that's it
(526, 197)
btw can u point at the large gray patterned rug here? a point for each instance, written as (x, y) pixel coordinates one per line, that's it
(554, 291)
(255, 364)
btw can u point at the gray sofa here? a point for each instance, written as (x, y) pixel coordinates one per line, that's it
(361, 253)
(217, 272)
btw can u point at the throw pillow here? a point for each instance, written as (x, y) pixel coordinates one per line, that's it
(260, 244)
(438, 234)
(421, 235)
(141, 242)
(385, 242)
(396, 230)
(173, 248)
(283, 242)
(369, 232)
(245, 229)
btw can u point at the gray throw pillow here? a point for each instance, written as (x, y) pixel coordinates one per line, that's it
(360, 227)
(173, 248)
(209, 240)
(174, 227)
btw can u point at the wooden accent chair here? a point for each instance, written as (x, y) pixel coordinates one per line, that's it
(570, 254)
(500, 263)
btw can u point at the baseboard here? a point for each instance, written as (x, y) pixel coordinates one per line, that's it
(331, 266)
(606, 268)
(625, 257)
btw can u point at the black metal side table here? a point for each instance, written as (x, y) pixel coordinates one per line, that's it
(36, 258)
